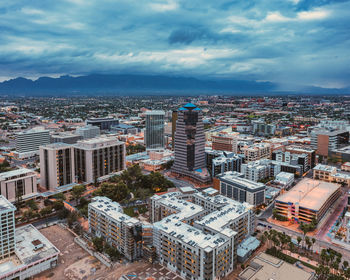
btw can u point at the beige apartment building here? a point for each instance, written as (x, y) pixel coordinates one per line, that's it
(107, 220)
(256, 151)
(86, 161)
(56, 165)
(98, 157)
(18, 184)
(225, 142)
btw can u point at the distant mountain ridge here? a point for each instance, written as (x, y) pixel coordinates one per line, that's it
(103, 84)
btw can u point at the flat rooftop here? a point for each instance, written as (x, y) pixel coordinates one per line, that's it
(285, 175)
(311, 194)
(266, 267)
(243, 182)
(218, 220)
(58, 145)
(189, 234)
(13, 173)
(155, 112)
(111, 209)
(5, 204)
(97, 142)
(327, 168)
(31, 247)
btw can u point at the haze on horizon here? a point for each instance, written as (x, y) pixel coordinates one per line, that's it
(293, 43)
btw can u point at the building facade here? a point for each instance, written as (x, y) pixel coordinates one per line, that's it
(19, 184)
(224, 142)
(324, 141)
(56, 165)
(107, 220)
(196, 234)
(329, 173)
(24, 251)
(88, 131)
(256, 151)
(7, 228)
(28, 142)
(241, 189)
(189, 144)
(98, 157)
(154, 138)
(102, 123)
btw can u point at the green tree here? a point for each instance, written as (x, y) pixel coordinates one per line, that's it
(45, 211)
(32, 204)
(98, 243)
(77, 192)
(59, 196)
(72, 218)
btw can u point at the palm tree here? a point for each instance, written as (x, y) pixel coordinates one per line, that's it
(299, 240)
(345, 265)
(313, 243)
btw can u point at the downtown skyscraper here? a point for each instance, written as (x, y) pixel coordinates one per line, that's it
(190, 144)
(154, 137)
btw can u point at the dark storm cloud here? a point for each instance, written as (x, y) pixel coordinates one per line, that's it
(289, 42)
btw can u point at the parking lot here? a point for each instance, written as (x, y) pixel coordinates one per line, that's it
(155, 271)
(73, 261)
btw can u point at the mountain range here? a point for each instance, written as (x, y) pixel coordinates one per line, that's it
(103, 84)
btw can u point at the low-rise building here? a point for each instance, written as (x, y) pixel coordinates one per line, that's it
(220, 161)
(225, 142)
(267, 267)
(256, 151)
(309, 199)
(330, 174)
(285, 179)
(257, 170)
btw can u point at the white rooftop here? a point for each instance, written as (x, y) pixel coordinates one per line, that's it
(111, 209)
(155, 112)
(13, 173)
(98, 142)
(249, 184)
(31, 247)
(5, 204)
(326, 168)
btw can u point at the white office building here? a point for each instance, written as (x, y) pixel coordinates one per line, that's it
(28, 142)
(88, 131)
(285, 178)
(19, 184)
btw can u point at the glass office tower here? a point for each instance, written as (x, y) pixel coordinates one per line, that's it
(154, 135)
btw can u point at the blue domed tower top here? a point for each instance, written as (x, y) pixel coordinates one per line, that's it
(190, 106)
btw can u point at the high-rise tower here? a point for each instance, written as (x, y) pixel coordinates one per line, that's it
(154, 137)
(190, 144)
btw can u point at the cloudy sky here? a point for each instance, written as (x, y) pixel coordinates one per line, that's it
(293, 43)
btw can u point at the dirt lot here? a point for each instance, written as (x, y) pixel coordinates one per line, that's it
(73, 262)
